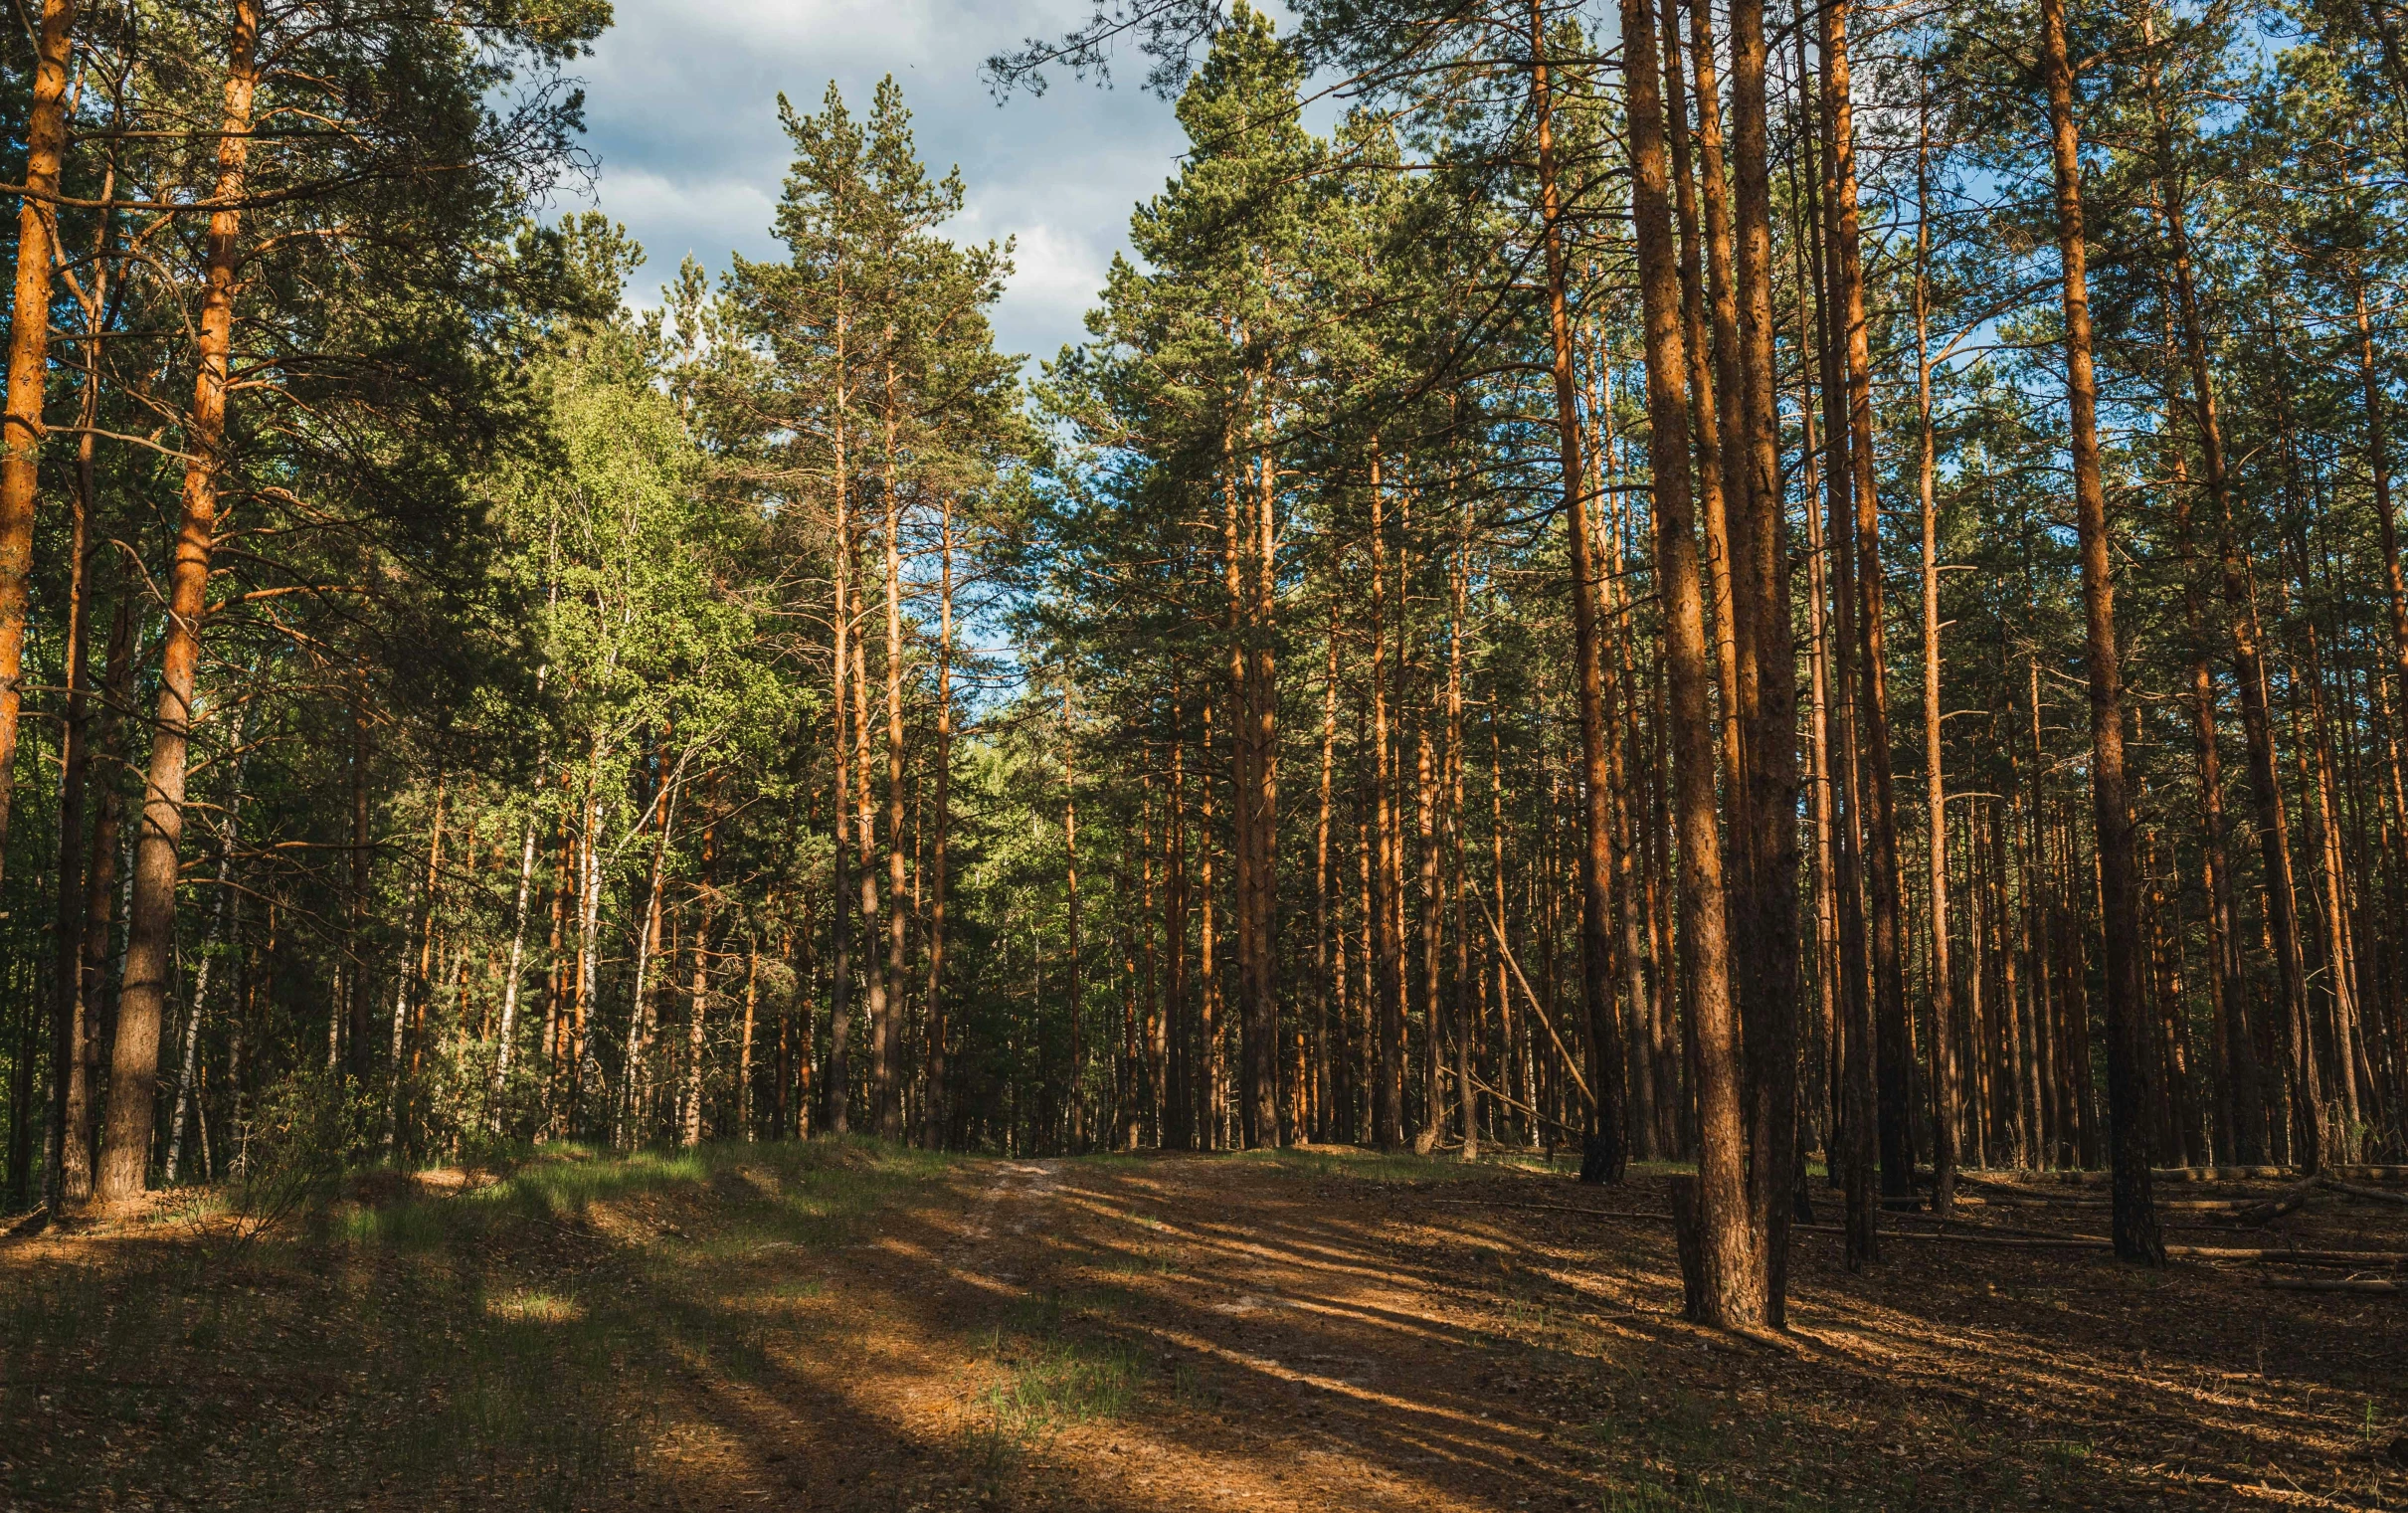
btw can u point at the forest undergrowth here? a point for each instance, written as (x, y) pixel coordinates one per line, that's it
(848, 1324)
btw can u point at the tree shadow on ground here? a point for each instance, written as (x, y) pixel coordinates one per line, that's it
(844, 1326)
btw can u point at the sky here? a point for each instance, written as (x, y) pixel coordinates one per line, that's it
(681, 110)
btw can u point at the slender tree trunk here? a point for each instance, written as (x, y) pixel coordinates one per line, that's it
(1179, 1099)
(1943, 1071)
(743, 1042)
(1468, 1030)
(885, 1034)
(698, 993)
(21, 425)
(2134, 1220)
(1324, 985)
(100, 304)
(937, 1106)
(78, 1163)
(188, 1069)
(150, 943)
(1606, 1162)
(1711, 449)
(510, 982)
(630, 1129)
(74, 762)
(1856, 1098)
(2257, 724)
(1259, 803)
(1388, 1110)
(2378, 467)
(1207, 965)
(1893, 1049)
(1076, 998)
(1767, 669)
(1425, 820)
(1728, 1276)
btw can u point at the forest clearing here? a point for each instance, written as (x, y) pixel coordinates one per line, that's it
(1658, 759)
(852, 1326)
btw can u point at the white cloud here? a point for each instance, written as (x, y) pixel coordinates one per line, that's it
(681, 108)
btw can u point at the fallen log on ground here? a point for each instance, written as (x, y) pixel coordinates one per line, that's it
(2376, 1195)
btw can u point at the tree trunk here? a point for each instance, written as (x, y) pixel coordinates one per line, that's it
(2378, 467)
(74, 754)
(1425, 821)
(936, 1099)
(1893, 1049)
(188, 1069)
(1259, 804)
(21, 425)
(1729, 1277)
(2134, 1220)
(1942, 1073)
(1705, 393)
(1178, 1094)
(150, 942)
(509, 988)
(647, 950)
(1768, 670)
(698, 993)
(1324, 985)
(886, 1030)
(1076, 997)
(1389, 1104)
(1855, 1027)
(1611, 1155)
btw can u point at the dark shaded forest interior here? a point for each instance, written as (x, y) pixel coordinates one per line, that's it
(1669, 777)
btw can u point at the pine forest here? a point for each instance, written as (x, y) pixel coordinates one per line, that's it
(1669, 774)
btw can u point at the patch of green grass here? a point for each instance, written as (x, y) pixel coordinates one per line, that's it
(1052, 1377)
(1061, 1382)
(1363, 1165)
(1653, 1497)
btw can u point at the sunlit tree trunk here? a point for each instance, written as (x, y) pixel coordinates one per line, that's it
(1330, 1080)
(885, 1031)
(1426, 831)
(1942, 1044)
(743, 1042)
(150, 942)
(1727, 1279)
(1259, 1033)
(1705, 392)
(697, 1001)
(510, 982)
(21, 424)
(1388, 1009)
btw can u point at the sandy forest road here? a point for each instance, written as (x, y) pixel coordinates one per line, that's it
(1282, 1330)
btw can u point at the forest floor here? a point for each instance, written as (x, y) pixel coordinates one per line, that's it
(847, 1326)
